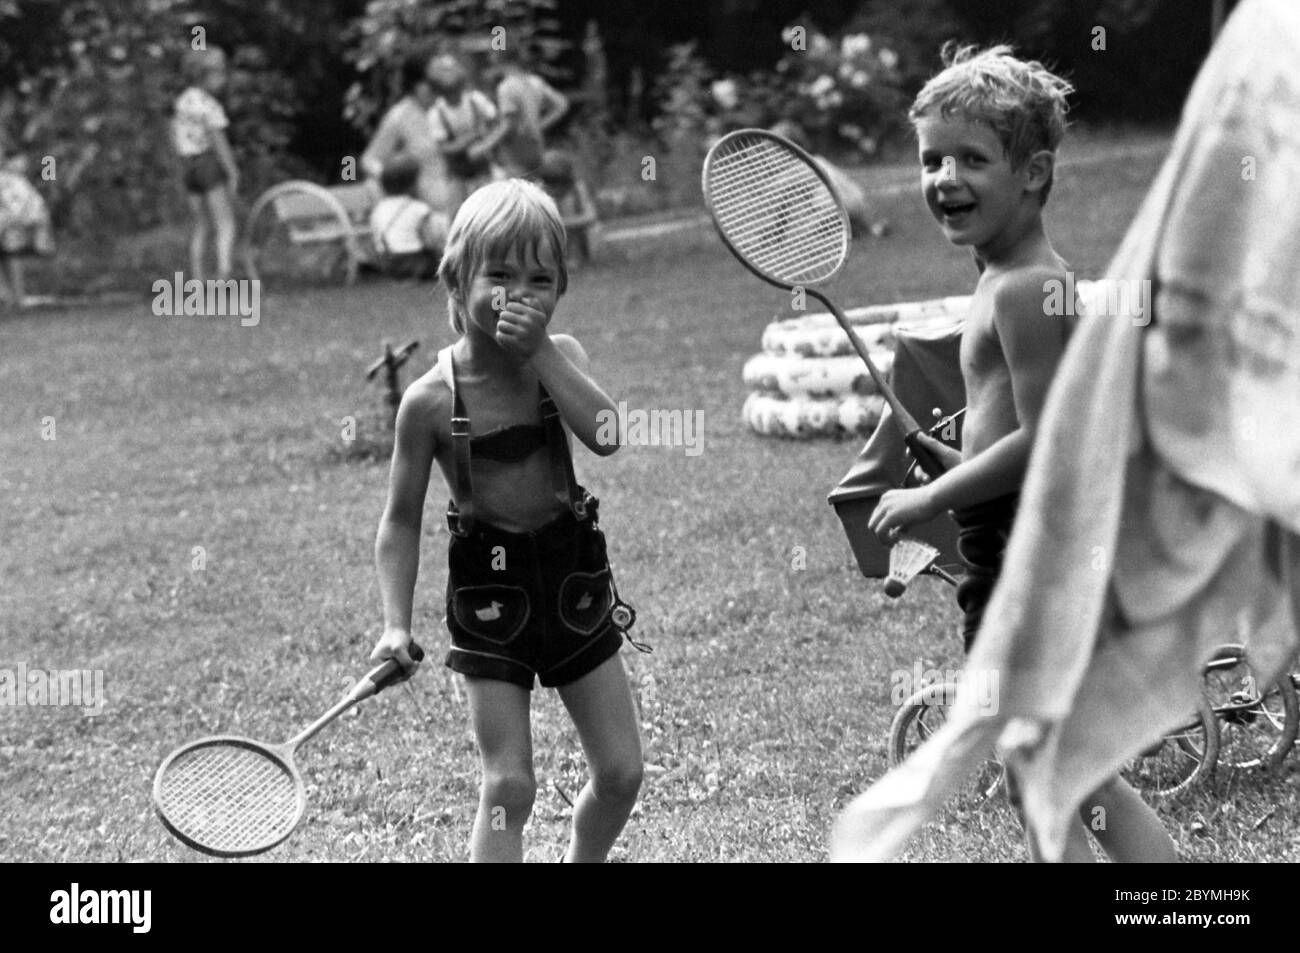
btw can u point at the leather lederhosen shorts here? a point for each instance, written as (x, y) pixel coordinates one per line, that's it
(983, 532)
(537, 604)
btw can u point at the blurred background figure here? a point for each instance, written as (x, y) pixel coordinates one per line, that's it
(209, 173)
(24, 227)
(573, 197)
(855, 198)
(405, 131)
(528, 108)
(461, 118)
(409, 233)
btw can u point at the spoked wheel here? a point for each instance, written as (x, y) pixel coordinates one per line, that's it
(298, 231)
(920, 717)
(1257, 724)
(1180, 760)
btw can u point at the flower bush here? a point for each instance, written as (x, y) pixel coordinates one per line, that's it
(845, 92)
(845, 95)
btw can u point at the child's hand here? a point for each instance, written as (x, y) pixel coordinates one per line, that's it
(899, 509)
(946, 455)
(395, 644)
(521, 327)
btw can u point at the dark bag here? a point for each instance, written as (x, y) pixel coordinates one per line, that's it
(459, 163)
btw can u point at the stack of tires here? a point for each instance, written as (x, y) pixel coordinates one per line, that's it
(808, 381)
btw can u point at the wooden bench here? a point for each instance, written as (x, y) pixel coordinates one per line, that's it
(315, 215)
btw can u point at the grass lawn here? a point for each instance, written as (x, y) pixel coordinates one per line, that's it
(766, 701)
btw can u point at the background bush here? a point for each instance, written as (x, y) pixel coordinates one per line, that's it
(91, 82)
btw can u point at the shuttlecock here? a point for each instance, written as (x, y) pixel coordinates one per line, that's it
(908, 558)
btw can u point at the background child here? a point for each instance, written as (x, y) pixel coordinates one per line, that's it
(24, 227)
(460, 117)
(529, 590)
(210, 175)
(988, 127)
(409, 235)
(528, 108)
(851, 194)
(572, 198)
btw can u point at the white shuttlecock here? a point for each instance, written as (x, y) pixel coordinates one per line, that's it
(908, 558)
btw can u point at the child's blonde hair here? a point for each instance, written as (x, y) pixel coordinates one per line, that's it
(1021, 100)
(492, 223)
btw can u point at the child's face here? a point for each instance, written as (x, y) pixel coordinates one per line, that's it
(446, 75)
(215, 77)
(517, 277)
(967, 180)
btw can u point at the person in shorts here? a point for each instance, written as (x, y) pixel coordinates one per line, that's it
(208, 169)
(530, 594)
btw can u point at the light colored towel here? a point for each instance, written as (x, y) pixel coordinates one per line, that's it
(1164, 453)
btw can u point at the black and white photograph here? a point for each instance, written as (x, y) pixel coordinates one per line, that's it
(651, 431)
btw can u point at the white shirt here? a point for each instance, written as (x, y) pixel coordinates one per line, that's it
(399, 225)
(197, 115)
(475, 112)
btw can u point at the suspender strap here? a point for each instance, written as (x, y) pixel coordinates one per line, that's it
(460, 517)
(563, 483)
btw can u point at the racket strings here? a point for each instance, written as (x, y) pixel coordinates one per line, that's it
(229, 798)
(777, 212)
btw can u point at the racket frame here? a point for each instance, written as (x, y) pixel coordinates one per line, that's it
(376, 680)
(906, 423)
(281, 754)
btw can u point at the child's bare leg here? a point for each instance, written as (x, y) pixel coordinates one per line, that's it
(223, 218)
(499, 713)
(1078, 850)
(602, 709)
(199, 237)
(11, 271)
(1127, 828)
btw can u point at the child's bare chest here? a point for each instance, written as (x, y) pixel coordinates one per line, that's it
(990, 404)
(982, 359)
(515, 493)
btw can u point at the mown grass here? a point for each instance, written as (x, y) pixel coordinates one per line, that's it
(765, 703)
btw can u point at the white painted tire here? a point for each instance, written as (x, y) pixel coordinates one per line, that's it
(820, 335)
(814, 377)
(801, 418)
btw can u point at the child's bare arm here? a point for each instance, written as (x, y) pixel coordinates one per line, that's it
(1032, 344)
(226, 156)
(555, 104)
(397, 545)
(561, 363)
(585, 214)
(484, 144)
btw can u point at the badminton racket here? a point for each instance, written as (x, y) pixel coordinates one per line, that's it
(233, 797)
(778, 212)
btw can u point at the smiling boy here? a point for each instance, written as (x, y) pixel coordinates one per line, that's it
(988, 127)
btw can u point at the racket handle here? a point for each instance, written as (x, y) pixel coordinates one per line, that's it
(924, 458)
(390, 672)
